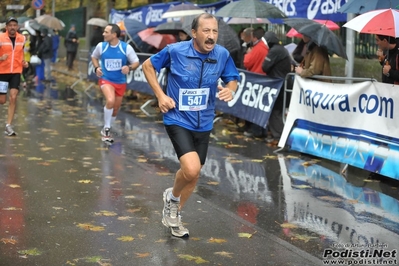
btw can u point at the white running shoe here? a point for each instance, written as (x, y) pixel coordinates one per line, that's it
(170, 212)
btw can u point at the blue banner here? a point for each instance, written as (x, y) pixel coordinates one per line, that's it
(254, 99)
(151, 15)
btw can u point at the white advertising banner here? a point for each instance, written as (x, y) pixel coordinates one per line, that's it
(355, 124)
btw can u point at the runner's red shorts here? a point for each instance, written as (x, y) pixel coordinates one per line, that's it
(119, 88)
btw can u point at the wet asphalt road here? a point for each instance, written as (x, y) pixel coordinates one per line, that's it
(68, 199)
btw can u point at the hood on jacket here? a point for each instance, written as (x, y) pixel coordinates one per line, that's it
(44, 31)
(271, 38)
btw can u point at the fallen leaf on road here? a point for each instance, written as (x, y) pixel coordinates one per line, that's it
(288, 225)
(142, 255)
(34, 159)
(90, 227)
(217, 240)
(30, 252)
(126, 238)
(8, 241)
(235, 146)
(163, 173)
(245, 235)
(105, 213)
(93, 259)
(224, 254)
(196, 259)
(235, 161)
(45, 148)
(85, 181)
(124, 218)
(12, 209)
(134, 210)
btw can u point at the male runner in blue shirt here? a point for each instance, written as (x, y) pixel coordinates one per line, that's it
(188, 105)
(117, 59)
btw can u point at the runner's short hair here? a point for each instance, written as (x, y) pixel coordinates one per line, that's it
(194, 24)
(115, 29)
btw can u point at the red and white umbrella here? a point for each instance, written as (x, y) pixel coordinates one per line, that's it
(381, 21)
(157, 40)
(329, 24)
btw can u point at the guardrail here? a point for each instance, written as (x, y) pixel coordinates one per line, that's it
(83, 56)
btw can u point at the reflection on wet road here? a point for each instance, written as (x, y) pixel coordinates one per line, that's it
(65, 199)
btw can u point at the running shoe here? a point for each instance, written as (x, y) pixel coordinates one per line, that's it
(170, 212)
(106, 134)
(179, 230)
(9, 131)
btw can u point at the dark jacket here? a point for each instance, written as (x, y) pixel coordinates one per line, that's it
(45, 50)
(299, 52)
(393, 59)
(97, 37)
(69, 44)
(277, 63)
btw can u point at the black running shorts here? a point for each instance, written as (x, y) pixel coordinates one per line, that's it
(185, 141)
(13, 80)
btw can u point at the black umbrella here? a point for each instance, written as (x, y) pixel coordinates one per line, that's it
(319, 34)
(172, 27)
(250, 9)
(227, 37)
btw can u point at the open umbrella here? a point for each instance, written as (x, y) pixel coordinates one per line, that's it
(382, 21)
(360, 7)
(51, 22)
(319, 34)
(248, 21)
(32, 26)
(182, 10)
(133, 27)
(157, 40)
(100, 22)
(250, 9)
(21, 20)
(227, 37)
(290, 47)
(328, 23)
(171, 27)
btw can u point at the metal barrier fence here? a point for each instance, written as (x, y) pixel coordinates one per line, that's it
(83, 62)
